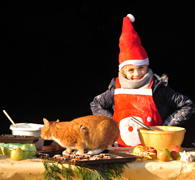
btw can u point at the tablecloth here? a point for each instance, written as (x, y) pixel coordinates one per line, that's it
(146, 170)
(20, 170)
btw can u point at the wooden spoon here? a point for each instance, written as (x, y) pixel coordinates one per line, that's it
(10, 119)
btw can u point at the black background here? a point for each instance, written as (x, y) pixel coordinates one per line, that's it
(57, 55)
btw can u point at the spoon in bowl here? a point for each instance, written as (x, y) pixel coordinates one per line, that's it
(144, 126)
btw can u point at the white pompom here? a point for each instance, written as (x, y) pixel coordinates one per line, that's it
(131, 17)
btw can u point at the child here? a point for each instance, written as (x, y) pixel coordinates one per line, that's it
(139, 93)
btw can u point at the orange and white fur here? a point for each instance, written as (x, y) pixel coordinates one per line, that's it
(93, 133)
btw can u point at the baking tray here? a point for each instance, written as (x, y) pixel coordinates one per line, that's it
(115, 157)
(8, 138)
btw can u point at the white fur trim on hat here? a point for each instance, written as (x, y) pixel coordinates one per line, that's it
(134, 62)
(131, 17)
(134, 91)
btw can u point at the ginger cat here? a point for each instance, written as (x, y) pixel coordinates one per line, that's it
(93, 133)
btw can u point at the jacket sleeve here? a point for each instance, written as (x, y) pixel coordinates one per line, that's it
(103, 103)
(183, 106)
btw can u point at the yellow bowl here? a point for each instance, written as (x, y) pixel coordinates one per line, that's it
(167, 137)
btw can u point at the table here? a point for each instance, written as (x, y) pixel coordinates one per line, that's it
(156, 170)
(147, 170)
(20, 170)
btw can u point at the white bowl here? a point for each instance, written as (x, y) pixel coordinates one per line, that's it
(29, 129)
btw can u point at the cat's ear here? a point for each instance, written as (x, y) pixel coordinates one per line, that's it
(46, 122)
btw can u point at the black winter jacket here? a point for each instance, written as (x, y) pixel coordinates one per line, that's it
(174, 108)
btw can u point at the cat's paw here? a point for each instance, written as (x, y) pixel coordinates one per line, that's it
(66, 152)
(80, 152)
(94, 151)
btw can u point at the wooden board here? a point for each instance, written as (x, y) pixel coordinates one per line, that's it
(8, 138)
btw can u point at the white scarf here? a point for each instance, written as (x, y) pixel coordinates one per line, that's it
(139, 84)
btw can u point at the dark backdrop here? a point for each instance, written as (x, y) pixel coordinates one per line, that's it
(57, 55)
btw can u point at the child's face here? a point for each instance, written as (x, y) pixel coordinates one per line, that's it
(135, 73)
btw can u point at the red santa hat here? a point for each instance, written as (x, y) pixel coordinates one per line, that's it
(131, 50)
